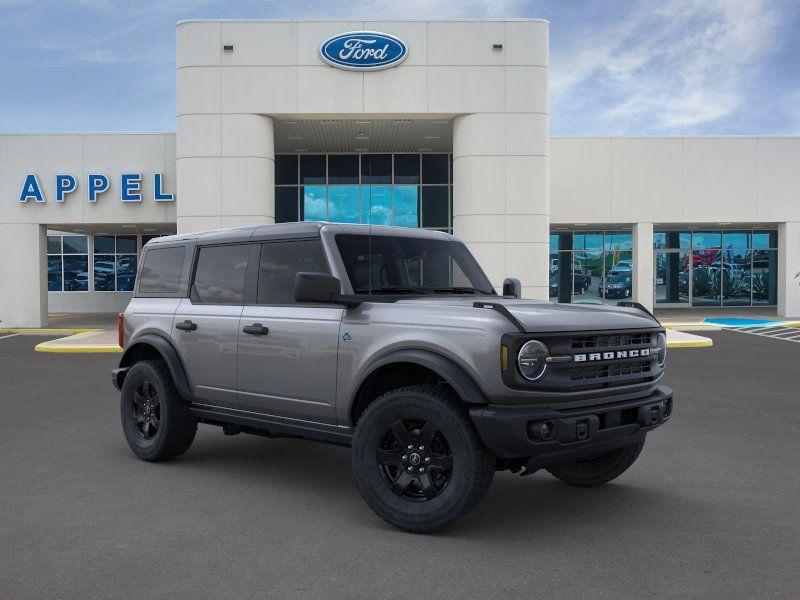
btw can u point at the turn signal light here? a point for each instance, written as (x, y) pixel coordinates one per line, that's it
(120, 328)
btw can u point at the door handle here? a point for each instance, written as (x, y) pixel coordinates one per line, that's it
(187, 325)
(255, 329)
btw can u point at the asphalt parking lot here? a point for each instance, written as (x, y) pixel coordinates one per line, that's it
(710, 510)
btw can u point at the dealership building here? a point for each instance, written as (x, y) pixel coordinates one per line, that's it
(433, 124)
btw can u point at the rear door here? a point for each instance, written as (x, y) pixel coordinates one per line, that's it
(206, 325)
(288, 351)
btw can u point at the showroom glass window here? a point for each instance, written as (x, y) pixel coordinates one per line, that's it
(67, 263)
(100, 263)
(406, 190)
(716, 267)
(591, 266)
(114, 263)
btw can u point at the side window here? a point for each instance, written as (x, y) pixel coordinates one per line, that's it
(220, 273)
(280, 262)
(161, 270)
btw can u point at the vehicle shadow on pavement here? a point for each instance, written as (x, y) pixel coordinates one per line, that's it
(537, 503)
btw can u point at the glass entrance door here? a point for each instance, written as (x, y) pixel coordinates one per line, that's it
(673, 279)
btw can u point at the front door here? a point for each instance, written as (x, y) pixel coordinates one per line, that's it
(288, 351)
(206, 325)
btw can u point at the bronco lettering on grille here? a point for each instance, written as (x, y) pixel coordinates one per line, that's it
(595, 356)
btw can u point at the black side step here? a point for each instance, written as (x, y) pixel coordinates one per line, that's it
(267, 424)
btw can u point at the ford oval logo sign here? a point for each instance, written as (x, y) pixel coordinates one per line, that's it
(363, 50)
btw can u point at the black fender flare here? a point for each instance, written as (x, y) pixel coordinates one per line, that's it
(168, 353)
(463, 384)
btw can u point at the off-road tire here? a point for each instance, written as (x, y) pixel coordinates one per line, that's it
(599, 470)
(472, 465)
(176, 425)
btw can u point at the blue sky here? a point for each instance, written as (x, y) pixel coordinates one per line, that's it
(617, 67)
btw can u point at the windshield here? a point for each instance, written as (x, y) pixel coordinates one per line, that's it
(410, 265)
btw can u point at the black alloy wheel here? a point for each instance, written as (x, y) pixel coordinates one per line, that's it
(146, 409)
(414, 460)
(156, 421)
(418, 460)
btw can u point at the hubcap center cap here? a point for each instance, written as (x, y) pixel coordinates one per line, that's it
(415, 459)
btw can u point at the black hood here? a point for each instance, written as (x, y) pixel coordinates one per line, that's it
(548, 316)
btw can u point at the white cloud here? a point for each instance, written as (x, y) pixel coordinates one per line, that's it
(670, 68)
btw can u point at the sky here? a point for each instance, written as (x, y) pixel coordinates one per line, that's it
(638, 67)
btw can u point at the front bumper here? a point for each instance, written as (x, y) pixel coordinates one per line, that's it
(515, 432)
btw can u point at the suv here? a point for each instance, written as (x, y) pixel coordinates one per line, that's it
(391, 341)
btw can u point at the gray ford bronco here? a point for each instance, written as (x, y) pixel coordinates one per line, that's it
(393, 342)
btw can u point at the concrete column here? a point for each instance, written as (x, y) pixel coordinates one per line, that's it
(788, 266)
(23, 271)
(643, 264)
(501, 202)
(226, 171)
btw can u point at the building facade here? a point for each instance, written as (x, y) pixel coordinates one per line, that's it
(435, 124)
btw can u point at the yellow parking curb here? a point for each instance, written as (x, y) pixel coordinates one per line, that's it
(704, 343)
(46, 331)
(78, 349)
(695, 326)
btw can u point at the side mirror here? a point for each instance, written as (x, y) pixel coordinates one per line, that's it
(512, 287)
(320, 288)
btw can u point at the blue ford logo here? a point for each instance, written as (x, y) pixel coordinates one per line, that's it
(363, 50)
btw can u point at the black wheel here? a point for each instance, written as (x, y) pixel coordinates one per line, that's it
(417, 459)
(597, 470)
(155, 419)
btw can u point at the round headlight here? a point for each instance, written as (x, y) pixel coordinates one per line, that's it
(662, 349)
(531, 360)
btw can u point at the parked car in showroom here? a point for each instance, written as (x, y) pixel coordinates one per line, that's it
(617, 285)
(391, 341)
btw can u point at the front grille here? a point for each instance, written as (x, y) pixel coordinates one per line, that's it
(611, 340)
(605, 360)
(604, 371)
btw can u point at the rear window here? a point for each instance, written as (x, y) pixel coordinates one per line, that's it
(220, 273)
(161, 270)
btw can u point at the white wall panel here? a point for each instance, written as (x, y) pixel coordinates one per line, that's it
(259, 90)
(201, 180)
(259, 43)
(199, 135)
(199, 90)
(23, 264)
(527, 43)
(720, 179)
(403, 89)
(580, 180)
(198, 44)
(526, 90)
(779, 179)
(466, 42)
(328, 90)
(647, 179)
(466, 89)
(247, 135)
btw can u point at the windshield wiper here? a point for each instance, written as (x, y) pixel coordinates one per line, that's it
(460, 290)
(392, 289)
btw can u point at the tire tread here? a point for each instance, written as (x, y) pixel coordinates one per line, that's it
(483, 460)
